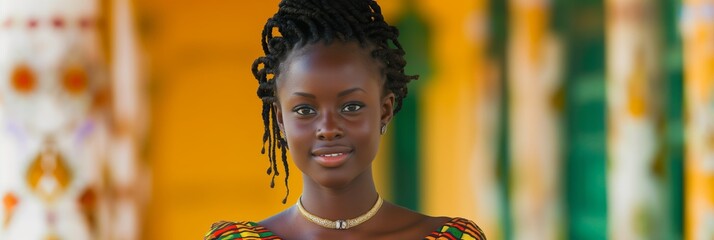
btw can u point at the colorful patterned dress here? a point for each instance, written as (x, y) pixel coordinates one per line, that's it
(456, 228)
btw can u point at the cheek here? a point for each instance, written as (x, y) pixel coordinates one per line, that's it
(366, 131)
(364, 127)
(367, 139)
(299, 134)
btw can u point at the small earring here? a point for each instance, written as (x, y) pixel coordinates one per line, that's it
(383, 130)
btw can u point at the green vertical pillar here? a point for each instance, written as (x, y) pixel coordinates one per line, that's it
(582, 25)
(499, 31)
(406, 128)
(674, 111)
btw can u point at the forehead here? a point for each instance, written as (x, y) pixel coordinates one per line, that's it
(336, 62)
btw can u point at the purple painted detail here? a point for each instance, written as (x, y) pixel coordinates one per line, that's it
(51, 218)
(84, 130)
(17, 133)
(708, 12)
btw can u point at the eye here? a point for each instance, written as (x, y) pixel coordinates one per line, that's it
(304, 110)
(352, 107)
(23, 79)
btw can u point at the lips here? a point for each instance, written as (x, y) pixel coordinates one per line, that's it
(332, 157)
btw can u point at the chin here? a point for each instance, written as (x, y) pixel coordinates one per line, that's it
(337, 177)
(334, 180)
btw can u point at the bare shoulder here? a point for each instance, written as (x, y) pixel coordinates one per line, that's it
(402, 223)
(415, 225)
(277, 221)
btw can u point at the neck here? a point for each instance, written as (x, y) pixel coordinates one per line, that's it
(342, 203)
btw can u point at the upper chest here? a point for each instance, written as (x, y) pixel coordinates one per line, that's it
(389, 231)
(354, 235)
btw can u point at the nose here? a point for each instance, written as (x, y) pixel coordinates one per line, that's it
(329, 128)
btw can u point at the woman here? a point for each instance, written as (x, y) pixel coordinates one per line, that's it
(331, 80)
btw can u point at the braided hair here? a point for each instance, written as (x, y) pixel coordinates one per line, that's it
(302, 22)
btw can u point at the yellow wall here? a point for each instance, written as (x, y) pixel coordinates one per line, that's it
(206, 126)
(206, 129)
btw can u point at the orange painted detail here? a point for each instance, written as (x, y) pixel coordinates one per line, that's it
(48, 175)
(9, 202)
(88, 202)
(23, 79)
(88, 199)
(58, 22)
(74, 80)
(707, 81)
(86, 23)
(52, 237)
(533, 20)
(32, 23)
(7, 23)
(637, 90)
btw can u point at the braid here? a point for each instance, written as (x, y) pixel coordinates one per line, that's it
(303, 22)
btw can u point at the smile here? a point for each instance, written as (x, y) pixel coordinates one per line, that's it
(331, 157)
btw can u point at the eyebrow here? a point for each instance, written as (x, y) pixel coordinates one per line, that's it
(348, 91)
(340, 94)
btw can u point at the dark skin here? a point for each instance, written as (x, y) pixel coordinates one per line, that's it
(332, 101)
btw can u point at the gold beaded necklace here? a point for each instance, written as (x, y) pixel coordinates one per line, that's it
(340, 224)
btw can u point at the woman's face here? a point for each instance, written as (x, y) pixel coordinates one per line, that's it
(331, 108)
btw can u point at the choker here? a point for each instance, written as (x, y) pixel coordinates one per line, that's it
(340, 224)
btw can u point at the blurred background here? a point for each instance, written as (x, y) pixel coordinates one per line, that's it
(537, 119)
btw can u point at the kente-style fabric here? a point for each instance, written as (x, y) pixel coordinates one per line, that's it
(456, 228)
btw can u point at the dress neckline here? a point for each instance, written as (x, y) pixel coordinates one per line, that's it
(455, 228)
(441, 229)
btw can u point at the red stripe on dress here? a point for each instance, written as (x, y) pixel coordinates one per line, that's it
(224, 229)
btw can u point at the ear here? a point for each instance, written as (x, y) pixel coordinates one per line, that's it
(387, 108)
(279, 116)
